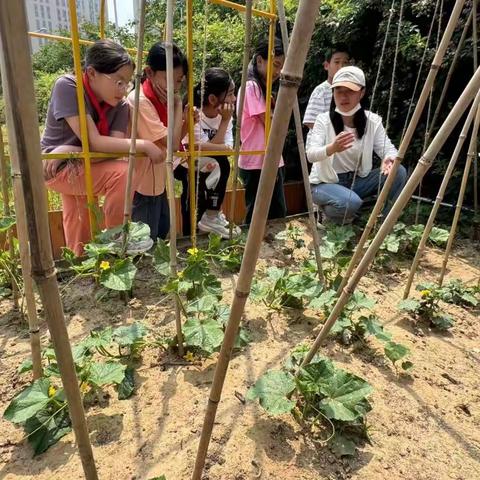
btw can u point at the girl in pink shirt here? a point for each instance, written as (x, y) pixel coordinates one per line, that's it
(253, 131)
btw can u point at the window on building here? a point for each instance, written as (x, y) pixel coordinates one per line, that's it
(42, 11)
(48, 13)
(50, 29)
(36, 10)
(37, 23)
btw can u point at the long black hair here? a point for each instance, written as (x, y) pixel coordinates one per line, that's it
(107, 57)
(262, 51)
(359, 120)
(157, 58)
(217, 82)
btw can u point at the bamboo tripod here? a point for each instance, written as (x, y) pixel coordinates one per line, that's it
(441, 193)
(301, 151)
(246, 59)
(290, 79)
(24, 141)
(422, 167)
(172, 142)
(476, 219)
(436, 64)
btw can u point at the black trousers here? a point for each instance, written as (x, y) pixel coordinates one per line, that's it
(208, 199)
(251, 179)
(152, 210)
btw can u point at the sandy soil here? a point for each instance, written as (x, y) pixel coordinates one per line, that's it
(423, 426)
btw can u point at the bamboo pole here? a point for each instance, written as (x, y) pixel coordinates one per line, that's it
(461, 194)
(127, 210)
(7, 212)
(191, 127)
(241, 100)
(77, 62)
(440, 195)
(476, 219)
(436, 64)
(290, 80)
(33, 327)
(271, 55)
(102, 18)
(170, 178)
(301, 150)
(24, 142)
(422, 167)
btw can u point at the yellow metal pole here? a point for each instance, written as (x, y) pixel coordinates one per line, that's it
(82, 114)
(102, 18)
(271, 54)
(59, 38)
(191, 139)
(242, 8)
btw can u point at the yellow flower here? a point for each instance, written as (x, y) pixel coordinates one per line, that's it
(189, 357)
(180, 274)
(104, 265)
(51, 391)
(193, 251)
(425, 293)
(84, 388)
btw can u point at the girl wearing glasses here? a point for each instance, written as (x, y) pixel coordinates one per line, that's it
(108, 70)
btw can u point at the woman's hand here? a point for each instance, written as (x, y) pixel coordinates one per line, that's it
(226, 111)
(343, 141)
(160, 92)
(387, 165)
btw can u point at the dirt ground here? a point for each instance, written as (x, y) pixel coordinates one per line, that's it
(423, 426)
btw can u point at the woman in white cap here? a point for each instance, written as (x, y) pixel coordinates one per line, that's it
(341, 147)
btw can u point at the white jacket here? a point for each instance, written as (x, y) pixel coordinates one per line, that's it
(375, 139)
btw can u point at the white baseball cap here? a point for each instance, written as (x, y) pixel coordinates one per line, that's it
(350, 77)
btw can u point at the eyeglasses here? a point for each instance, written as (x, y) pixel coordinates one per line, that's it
(120, 84)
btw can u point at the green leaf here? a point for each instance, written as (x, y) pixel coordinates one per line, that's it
(442, 321)
(391, 243)
(272, 390)
(340, 325)
(45, 430)
(214, 243)
(98, 339)
(104, 373)
(100, 249)
(26, 366)
(313, 374)
(163, 477)
(359, 301)
(127, 386)
(407, 366)
(439, 236)
(129, 335)
(375, 328)
(6, 223)
(161, 258)
(395, 351)
(120, 277)
(409, 305)
(206, 334)
(204, 304)
(325, 300)
(342, 446)
(243, 338)
(29, 401)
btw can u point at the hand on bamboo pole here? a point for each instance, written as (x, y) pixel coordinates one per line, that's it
(289, 82)
(422, 167)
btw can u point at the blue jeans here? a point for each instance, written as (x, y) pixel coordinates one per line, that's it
(339, 202)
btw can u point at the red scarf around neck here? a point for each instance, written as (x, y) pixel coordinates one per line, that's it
(160, 107)
(101, 109)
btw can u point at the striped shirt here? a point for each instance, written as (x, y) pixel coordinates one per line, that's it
(319, 102)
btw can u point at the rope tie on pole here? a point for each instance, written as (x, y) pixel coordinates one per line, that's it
(240, 294)
(290, 81)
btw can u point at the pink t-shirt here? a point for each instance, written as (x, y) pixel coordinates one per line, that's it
(252, 132)
(149, 177)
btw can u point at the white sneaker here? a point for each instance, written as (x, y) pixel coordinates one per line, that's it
(236, 229)
(214, 224)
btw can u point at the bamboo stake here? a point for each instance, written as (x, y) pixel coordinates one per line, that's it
(7, 212)
(102, 18)
(170, 178)
(33, 328)
(440, 195)
(422, 167)
(461, 194)
(290, 80)
(301, 150)
(24, 141)
(271, 55)
(476, 219)
(127, 210)
(436, 64)
(241, 100)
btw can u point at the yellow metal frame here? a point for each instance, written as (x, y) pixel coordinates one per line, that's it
(192, 151)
